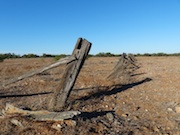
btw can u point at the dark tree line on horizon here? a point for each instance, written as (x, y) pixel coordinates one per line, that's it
(56, 57)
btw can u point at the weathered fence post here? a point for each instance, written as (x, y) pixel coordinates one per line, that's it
(121, 68)
(71, 72)
(131, 57)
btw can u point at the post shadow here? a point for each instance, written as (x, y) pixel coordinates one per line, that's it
(24, 95)
(94, 114)
(115, 90)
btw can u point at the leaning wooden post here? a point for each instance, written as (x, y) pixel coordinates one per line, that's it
(71, 72)
(124, 67)
(119, 68)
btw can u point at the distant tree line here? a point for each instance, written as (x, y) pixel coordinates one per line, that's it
(108, 54)
(158, 54)
(56, 57)
(12, 55)
(8, 56)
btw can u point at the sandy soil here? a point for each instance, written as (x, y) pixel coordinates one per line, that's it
(147, 102)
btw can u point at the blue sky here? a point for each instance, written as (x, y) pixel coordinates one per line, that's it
(116, 26)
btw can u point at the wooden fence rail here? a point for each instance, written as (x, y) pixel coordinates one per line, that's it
(41, 70)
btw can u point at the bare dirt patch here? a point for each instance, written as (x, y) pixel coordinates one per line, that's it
(145, 103)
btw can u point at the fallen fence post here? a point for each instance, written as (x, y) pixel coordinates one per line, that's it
(70, 75)
(43, 115)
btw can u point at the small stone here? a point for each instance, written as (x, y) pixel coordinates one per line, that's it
(57, 127)
(118, 111)
(17, 123)
(110, 117)
(115, 96)
(135, 118)
(170, 109)
(137, 108)
(106, 106)
(124, 115)
(155, 129)
(144, 128)
(42, 82)
(177, 109)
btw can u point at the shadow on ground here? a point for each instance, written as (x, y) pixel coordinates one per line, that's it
(94, 114)
(24, 95)
(117, 89)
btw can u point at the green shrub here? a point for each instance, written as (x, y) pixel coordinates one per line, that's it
(57, 57)
(30, 56)
(102, 54)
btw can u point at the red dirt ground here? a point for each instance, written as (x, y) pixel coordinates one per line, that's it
(146, 103)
